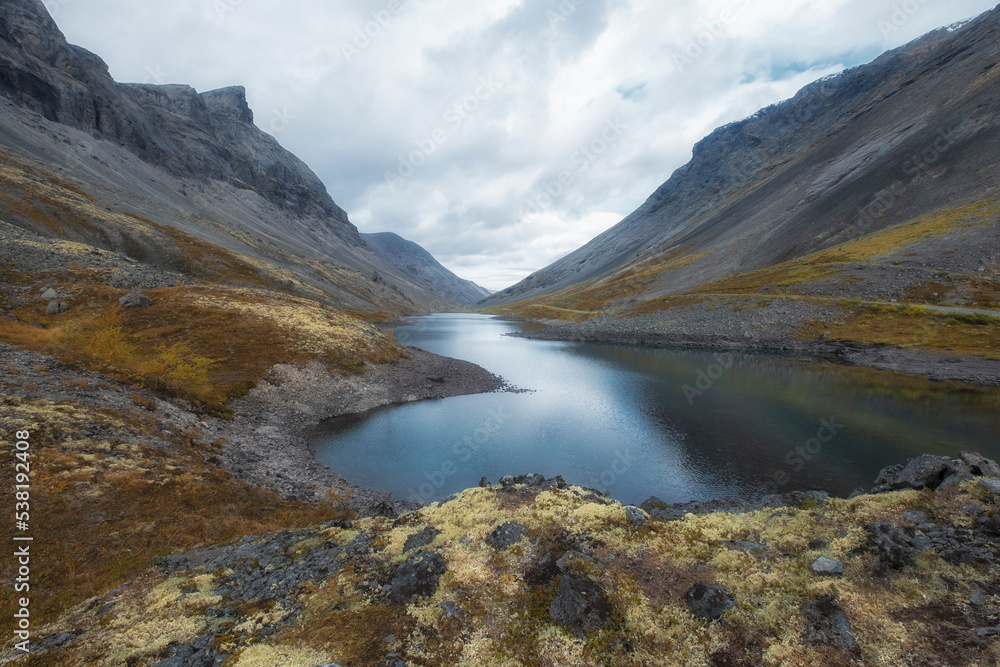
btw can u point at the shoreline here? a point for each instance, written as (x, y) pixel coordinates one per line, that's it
(933, 366)
(268, 443)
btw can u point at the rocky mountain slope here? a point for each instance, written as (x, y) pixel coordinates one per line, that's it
(879, 184)
(421, 267)
(125, 167)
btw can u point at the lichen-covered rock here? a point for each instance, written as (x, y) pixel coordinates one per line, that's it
(827, 624)
(418, 577)
(636, 516)
(580, 605)
(505, 535)
(709, 601)
(927, 471)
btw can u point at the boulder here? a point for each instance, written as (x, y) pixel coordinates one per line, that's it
(990, 484)
(927, 471)
(828, 625)
(893, 546)
(49, 295)
(421, 539)
(56, 308)
(505, 535)
(580, 605)
(981, 466)
(636, 516)
(709, 601)
(827, 567)
(135, 299)
(418, 576)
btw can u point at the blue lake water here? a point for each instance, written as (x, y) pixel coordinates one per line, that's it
(678, 424)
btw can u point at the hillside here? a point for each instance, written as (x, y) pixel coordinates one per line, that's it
(146, 170)
(875, 186)
(421, 267)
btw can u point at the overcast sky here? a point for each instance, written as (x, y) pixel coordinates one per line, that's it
(451, 122)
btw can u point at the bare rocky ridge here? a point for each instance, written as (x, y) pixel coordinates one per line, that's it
(186, 160)
(914, 131)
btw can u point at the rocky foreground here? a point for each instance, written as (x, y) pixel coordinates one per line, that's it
(532, 571)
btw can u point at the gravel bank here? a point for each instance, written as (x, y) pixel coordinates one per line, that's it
(770, 326)
(267, 436)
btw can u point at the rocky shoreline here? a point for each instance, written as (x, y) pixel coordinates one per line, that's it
(935, 366)
(267, 437)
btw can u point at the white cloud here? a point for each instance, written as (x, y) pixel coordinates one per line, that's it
(668, 73)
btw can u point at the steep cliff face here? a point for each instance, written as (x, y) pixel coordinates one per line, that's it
(179, 159)
(422, 268)
(913, 131)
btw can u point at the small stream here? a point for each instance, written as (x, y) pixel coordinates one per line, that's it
(678, 424)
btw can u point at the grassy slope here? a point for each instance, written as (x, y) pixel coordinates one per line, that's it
(882, 323)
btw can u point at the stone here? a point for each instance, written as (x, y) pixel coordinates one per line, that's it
(636, 516)
(709, 601)
(418, 576)
(49, 295)
(914, 518)
(56, 308)
(818, 543)
(927, 471)
(986, 632)
(828, 625)
(381, 508)
(421, 539)
(484, 483)
(452, 610)
(990, 484)
(505, 535)
(981, 466)
(135, 299)
(580, 605)
(827, 567)
(992, 524)
(892, 545)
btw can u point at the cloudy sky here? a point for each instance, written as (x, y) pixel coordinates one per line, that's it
(499, 135)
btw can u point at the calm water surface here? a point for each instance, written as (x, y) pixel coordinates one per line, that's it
(678, 424)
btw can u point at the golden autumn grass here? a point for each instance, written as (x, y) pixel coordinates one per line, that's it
(204, 344)
(104, 508)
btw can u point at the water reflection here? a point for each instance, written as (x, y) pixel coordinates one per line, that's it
(635, 422)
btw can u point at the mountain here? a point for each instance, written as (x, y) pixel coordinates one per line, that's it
(849, 158)
(421, 267)
(136, 167)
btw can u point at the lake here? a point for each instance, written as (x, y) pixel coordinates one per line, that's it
(635, 422)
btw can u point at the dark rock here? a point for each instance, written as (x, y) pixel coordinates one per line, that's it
(421, 539)
(418, 576)
(507, 481)
(505, 535)
(452, 610)
(135, 299)
(987, 632)
(580, 604)
(381, 508)
(915, 518)
(636, 516)
(827, 624)
(980, 465)
(556, 482)
(927, 471)
(484, 483)
(748, 547)
(818, 543)
(709, 601)
(892, 545)
(992, 524)
(56, 308)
